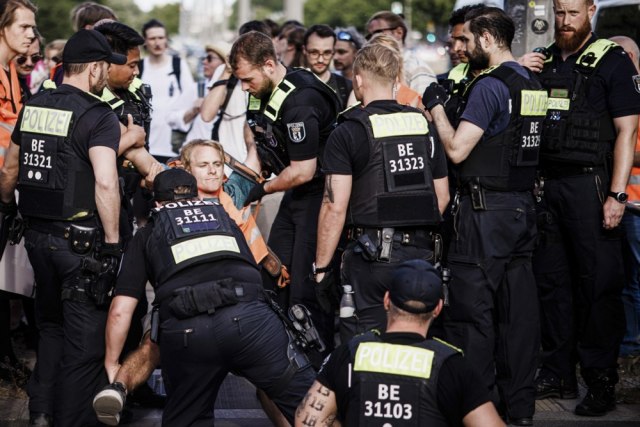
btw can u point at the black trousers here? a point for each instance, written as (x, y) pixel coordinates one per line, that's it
(69, 369)
(579, 271)
(293, 238)
(369, 281)
(493, 311)
(197, 353)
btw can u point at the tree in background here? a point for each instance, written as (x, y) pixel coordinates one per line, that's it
(54, 21)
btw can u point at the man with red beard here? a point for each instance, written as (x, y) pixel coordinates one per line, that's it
(587, 148)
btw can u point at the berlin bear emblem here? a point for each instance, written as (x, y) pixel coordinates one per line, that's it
(297, 132)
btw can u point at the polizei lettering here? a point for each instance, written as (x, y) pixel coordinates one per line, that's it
(46, 121)
(398, 124)
(394, 359)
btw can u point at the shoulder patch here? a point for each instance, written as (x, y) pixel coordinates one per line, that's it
(636, 82)
(297, 132)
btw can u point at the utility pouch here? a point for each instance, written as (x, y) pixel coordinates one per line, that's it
(82, 239)
(478, 201)
(190, 301)
(155, 324)
(369, 248)
(386, 244)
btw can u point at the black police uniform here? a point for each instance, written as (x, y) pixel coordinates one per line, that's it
(342, 87)
(55, 132)
(393, 156)
(213, 314)
(439, 389)
(294, 123)
(493, 315)
(578, 264)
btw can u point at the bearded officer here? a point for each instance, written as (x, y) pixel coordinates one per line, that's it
(63, 160)
(291, 113)
(492, 315)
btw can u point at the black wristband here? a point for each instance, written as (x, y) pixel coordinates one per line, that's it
(220, 83)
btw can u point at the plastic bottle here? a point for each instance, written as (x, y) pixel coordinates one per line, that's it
(347, 305)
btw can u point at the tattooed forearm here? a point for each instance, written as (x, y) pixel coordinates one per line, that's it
(328, 191)
(318, 408)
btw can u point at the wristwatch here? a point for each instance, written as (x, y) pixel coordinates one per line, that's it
(621, 196)
(316, 270)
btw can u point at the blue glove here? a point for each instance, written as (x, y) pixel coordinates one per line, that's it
(434, 95)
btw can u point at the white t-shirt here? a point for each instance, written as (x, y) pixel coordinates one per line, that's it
(169, 103)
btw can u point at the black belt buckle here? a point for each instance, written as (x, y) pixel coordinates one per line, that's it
(478, 201)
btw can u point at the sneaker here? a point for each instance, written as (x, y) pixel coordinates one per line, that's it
(549, 386)
(109, 402)
(597, 402)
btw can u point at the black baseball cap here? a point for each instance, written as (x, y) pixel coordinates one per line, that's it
(416, 280)
(90, 45)
(167, 181)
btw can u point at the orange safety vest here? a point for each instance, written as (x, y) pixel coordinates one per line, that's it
(633, 189)
(10, 106)
(247, 224)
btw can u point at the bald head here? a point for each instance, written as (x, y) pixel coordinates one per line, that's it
(630, 47)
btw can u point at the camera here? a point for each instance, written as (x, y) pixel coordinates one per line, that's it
(544, 51)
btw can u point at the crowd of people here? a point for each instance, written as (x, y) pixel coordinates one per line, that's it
(475, 230)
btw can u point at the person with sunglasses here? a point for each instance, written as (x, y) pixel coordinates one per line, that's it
(418, 75)
(25, 65)
(318, 49)
(348, 43)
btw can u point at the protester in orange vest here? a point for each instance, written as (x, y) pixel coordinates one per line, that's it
(204, 159)
(17, 24)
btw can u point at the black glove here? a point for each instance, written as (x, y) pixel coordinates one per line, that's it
(9, 209)
(434, 95)
(111, 249)
(256, 193)
(326, 292)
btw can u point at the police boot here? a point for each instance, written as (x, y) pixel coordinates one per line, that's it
(601, 396)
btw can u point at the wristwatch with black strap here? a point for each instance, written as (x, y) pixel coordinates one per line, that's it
(620, 196)
(317, 270)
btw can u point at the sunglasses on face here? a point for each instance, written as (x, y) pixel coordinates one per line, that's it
(210, 58)
(21, 60)
(378, 31)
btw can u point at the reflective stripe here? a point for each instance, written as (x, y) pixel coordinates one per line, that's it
(277, 98)
(458, 72)
(558, 104)
(46, 121)
(254, 103)
(533, 103)
(7, 126)
(398, 124)
(595, 52)
(111, 99)
(394, 359)
(634, 180)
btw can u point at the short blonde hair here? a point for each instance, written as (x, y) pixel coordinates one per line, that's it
(187, 150)
(380, 62)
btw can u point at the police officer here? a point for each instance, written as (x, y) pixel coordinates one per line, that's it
(587, 150)
(64, 161)
(212, 309)
(128, 96)
(400, 378)
(390, 191)
(492, 315)
(291, 113)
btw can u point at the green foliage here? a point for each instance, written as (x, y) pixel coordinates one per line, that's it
(357, 12)
(53, 18)
(169, 15)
